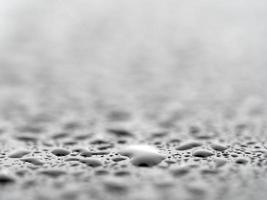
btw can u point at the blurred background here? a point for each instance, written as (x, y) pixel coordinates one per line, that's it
(153, 60)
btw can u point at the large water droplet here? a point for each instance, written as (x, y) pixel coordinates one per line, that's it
(218, 146)
(60, 152)
(18, 154)
(143, 155)
(33, 161)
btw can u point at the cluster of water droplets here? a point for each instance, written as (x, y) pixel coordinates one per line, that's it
(124, 156)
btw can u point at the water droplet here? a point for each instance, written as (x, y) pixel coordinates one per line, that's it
(218, 146)
(101, 172)
(202, 153)
(118, 115)
(100, 152)
(33, 161)
(198, 188)
(27, 138)
(18, 154)
(82, 136)
(31, 129)
(70, 142)
(120, 132)
(72, 125)
(60, 135)
(188, 145)
(122, 173)
(6, 178)
(118, 159)
(142, 155)
(86, 154)
(99, 141)
(92, 162)
(60, 152)
(72, 159)
(219, 162)
(180, 170)
(53, 172)
(115, 184)
(241, 161)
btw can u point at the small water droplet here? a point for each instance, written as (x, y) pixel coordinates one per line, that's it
(188, 145)
(33, 161)
(202, 153)
(180, 170)
(120, 132)
(241, 161)
(219, 162)
(115, 184)
(92, 162)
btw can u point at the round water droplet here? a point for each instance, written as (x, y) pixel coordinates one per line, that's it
(142, 155)
(218, 146)
(60, 152)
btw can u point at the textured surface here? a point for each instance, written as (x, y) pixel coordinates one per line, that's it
(139, 100)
